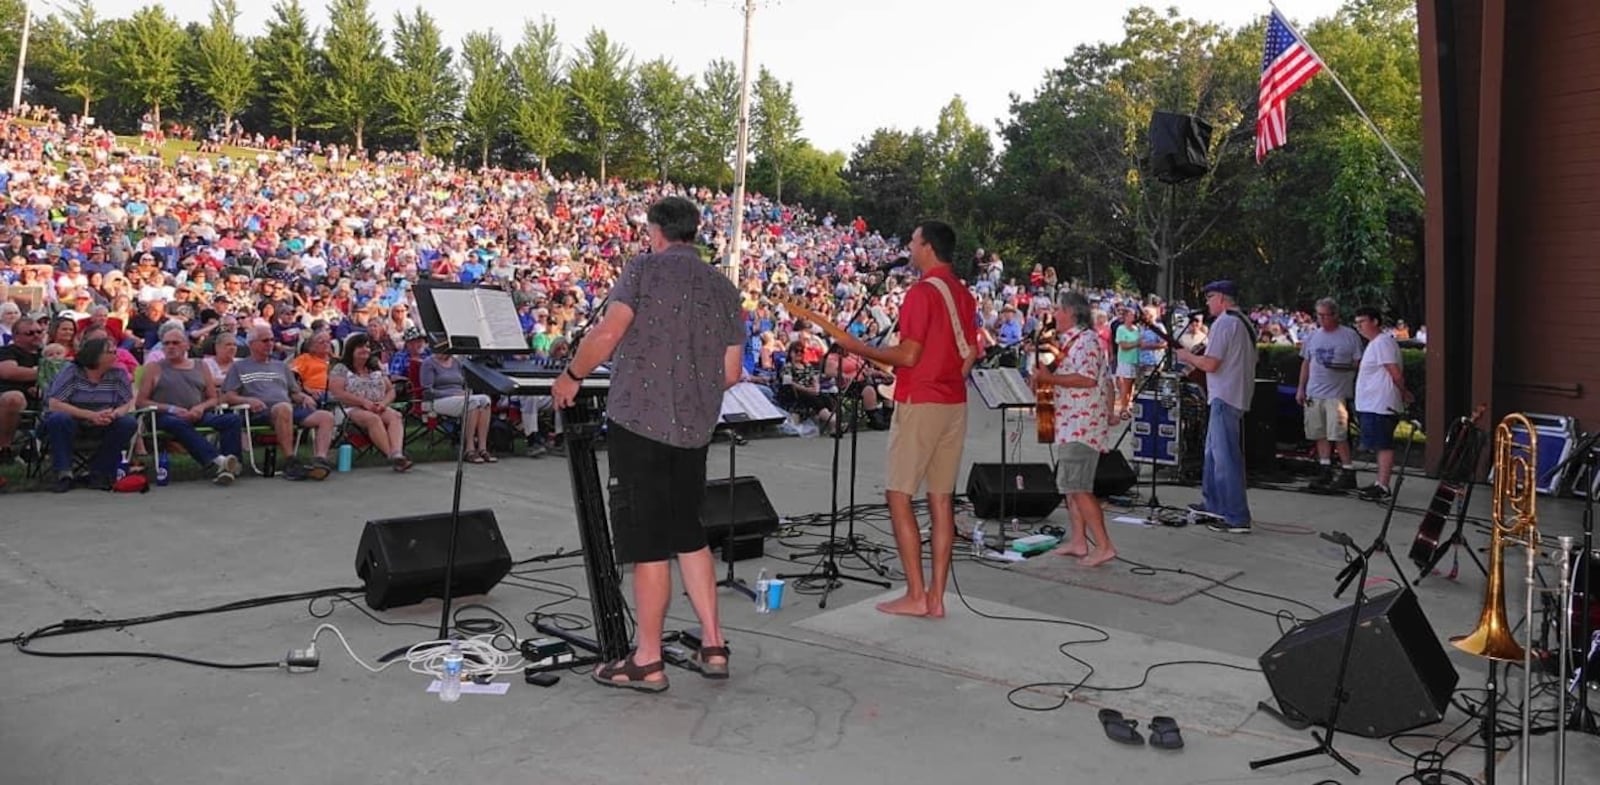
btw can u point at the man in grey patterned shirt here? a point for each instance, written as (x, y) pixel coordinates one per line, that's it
(674, 335)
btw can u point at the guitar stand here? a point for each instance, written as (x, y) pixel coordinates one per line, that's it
(1454, 544)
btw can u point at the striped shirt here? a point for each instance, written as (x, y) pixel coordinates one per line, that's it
(73, 386)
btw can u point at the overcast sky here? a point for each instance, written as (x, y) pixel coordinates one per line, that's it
(856, 65)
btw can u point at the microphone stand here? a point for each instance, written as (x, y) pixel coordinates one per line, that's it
(1356, 571)
(1583, 718)
(1154, 504)
(829, 566)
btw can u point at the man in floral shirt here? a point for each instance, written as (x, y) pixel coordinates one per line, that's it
(1083, 426)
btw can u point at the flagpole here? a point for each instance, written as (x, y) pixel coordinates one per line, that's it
(1400, 162)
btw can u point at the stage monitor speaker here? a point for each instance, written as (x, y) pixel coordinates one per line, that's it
(1178, 145)
(752, 511)
(402, 560)
(1399, 676)
(1114, 476)
(1029, 490)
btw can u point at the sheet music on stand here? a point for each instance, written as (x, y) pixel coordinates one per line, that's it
(745, 404)
(1003, 388)
(467, 319)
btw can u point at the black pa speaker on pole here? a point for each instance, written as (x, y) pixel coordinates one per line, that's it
(402, 560)
(1178, 145)
(1400, 677)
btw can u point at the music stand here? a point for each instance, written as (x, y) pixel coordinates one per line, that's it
(1003, 389)
(465, 320)
(744, 406)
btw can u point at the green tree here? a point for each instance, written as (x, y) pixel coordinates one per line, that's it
(355, 64)
(600, 79)
(79, 56)
(422, 88)
(11, 15)
(288, 58)
(959, 167)
(815, 179)
(225, 72)
(541, 114)
(885, 179)
(775, 126)
(487, 109)
(664, 104)
(147, 51)
(714, 126)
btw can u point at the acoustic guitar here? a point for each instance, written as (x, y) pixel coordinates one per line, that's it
(1044, 407)
(1463, 445)
(834, 331)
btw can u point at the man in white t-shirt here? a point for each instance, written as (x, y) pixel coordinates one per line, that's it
(1381, 396)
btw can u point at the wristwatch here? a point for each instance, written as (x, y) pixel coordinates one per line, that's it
(573, 376)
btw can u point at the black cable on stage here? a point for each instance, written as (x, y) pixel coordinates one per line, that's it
(24, 643)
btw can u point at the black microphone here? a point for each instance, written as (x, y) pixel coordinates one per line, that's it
(898, 262)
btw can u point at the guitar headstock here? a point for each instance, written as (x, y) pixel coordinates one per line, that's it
(1478, 412)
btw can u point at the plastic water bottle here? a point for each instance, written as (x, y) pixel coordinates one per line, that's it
(450, 679)
(977, 540)
(161, 470)
(122, 467)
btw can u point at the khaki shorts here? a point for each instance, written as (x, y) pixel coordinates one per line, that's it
(925, 442)
(1326, 418)
(1076, 464)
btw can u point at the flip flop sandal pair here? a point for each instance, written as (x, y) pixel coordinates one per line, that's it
(1164, 732)
(633, 675)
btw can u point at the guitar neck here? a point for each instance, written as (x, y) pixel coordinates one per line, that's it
(834, 331)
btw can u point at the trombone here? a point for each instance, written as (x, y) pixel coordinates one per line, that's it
(1515, 522)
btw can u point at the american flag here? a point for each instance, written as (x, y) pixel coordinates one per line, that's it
(1287, 63)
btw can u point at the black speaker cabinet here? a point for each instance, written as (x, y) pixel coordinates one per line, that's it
(1399, 676)
(402, 560)
(752, 511)
(1178, 145)
(1029, 490)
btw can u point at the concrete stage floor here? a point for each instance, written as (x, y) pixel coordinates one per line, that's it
(837, 695)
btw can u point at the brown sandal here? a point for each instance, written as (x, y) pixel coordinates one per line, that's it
(474, 456)
(402, 463)
(709, 670)
(634, 673)
(488, 457)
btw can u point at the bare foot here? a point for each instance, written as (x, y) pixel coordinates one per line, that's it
(1098, 557)
(1073, 549)
(905, 606)
(935, 607)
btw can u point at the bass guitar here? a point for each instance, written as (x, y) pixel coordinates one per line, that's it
(1463, 445)
(834, 331)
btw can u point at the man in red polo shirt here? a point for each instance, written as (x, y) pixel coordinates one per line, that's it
(938, 345)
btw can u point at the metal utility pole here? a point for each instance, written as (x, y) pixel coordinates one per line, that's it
(736, 233)
(22, 53)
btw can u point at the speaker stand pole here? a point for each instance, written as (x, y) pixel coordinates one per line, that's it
(732, 581)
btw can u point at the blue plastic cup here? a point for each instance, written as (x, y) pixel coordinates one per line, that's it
(775, 594)
(346, 455)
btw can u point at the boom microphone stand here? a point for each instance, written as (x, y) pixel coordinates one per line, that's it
(830, 550)
(1356, 571)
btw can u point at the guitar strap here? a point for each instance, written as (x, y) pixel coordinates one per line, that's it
(966, 349)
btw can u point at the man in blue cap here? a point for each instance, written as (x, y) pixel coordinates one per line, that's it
(1229, 363)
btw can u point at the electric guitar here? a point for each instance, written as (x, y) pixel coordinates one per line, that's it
(834, 331)
(1462, 447)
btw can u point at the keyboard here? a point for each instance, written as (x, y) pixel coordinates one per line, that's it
(521, 377)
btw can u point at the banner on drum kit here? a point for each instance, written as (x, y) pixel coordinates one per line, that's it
(1156, 427)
